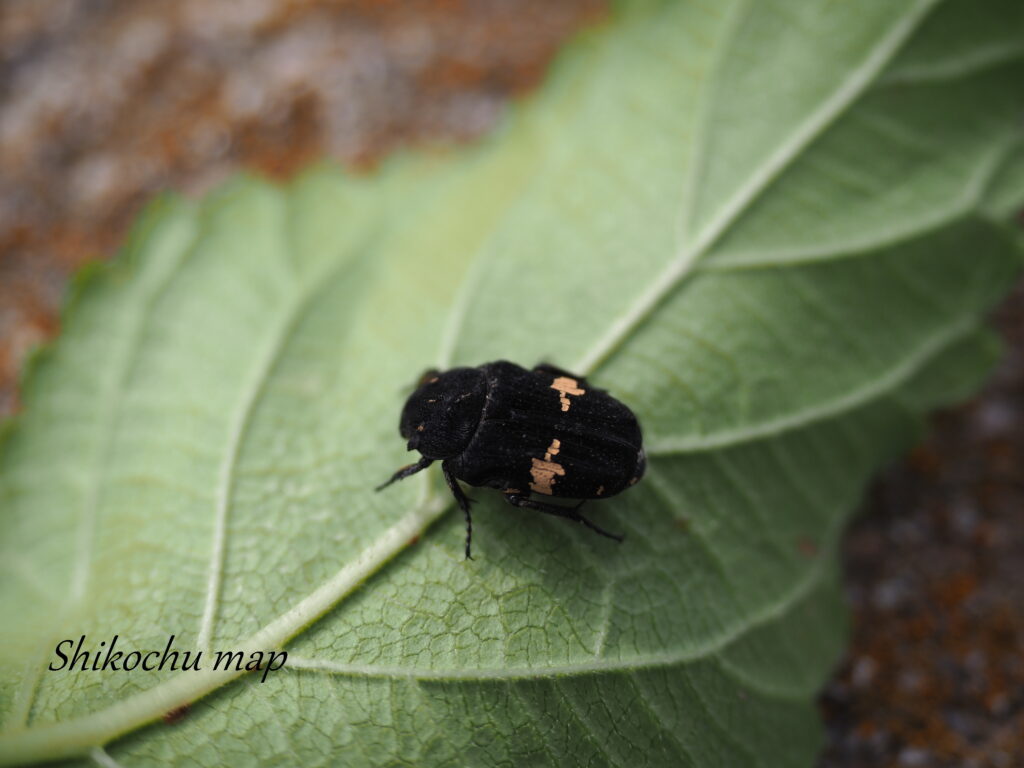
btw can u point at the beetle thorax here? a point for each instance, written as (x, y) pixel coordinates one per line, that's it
(440, 418)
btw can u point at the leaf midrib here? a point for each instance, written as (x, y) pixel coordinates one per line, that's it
(680, 267)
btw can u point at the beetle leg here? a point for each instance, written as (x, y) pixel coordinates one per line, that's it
(463, 501)
(522, 500)
(404, 472)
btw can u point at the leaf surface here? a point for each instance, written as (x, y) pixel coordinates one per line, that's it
(773, 232)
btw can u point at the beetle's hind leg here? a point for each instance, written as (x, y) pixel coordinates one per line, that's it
(406, 471)
(463, 501)
(572, 513)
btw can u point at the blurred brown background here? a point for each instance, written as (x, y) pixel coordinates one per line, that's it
(104, 102)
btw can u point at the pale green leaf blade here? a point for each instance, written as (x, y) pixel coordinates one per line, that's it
(779, 273)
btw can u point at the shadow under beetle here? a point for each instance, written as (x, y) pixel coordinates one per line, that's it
(543, 431)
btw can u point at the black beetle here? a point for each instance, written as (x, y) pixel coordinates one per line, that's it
(543, 431)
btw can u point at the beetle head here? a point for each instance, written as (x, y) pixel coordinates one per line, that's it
(440, 417)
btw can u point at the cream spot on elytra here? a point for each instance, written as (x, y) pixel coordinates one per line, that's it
(566, 387)
(544, 471)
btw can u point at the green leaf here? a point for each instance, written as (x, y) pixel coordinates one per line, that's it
(772, 231)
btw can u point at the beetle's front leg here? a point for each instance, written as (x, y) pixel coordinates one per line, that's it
(406, 471)
(463, 501)
(517, 499)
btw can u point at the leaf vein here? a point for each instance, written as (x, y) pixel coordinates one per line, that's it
(680, 267)
(877, 387)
